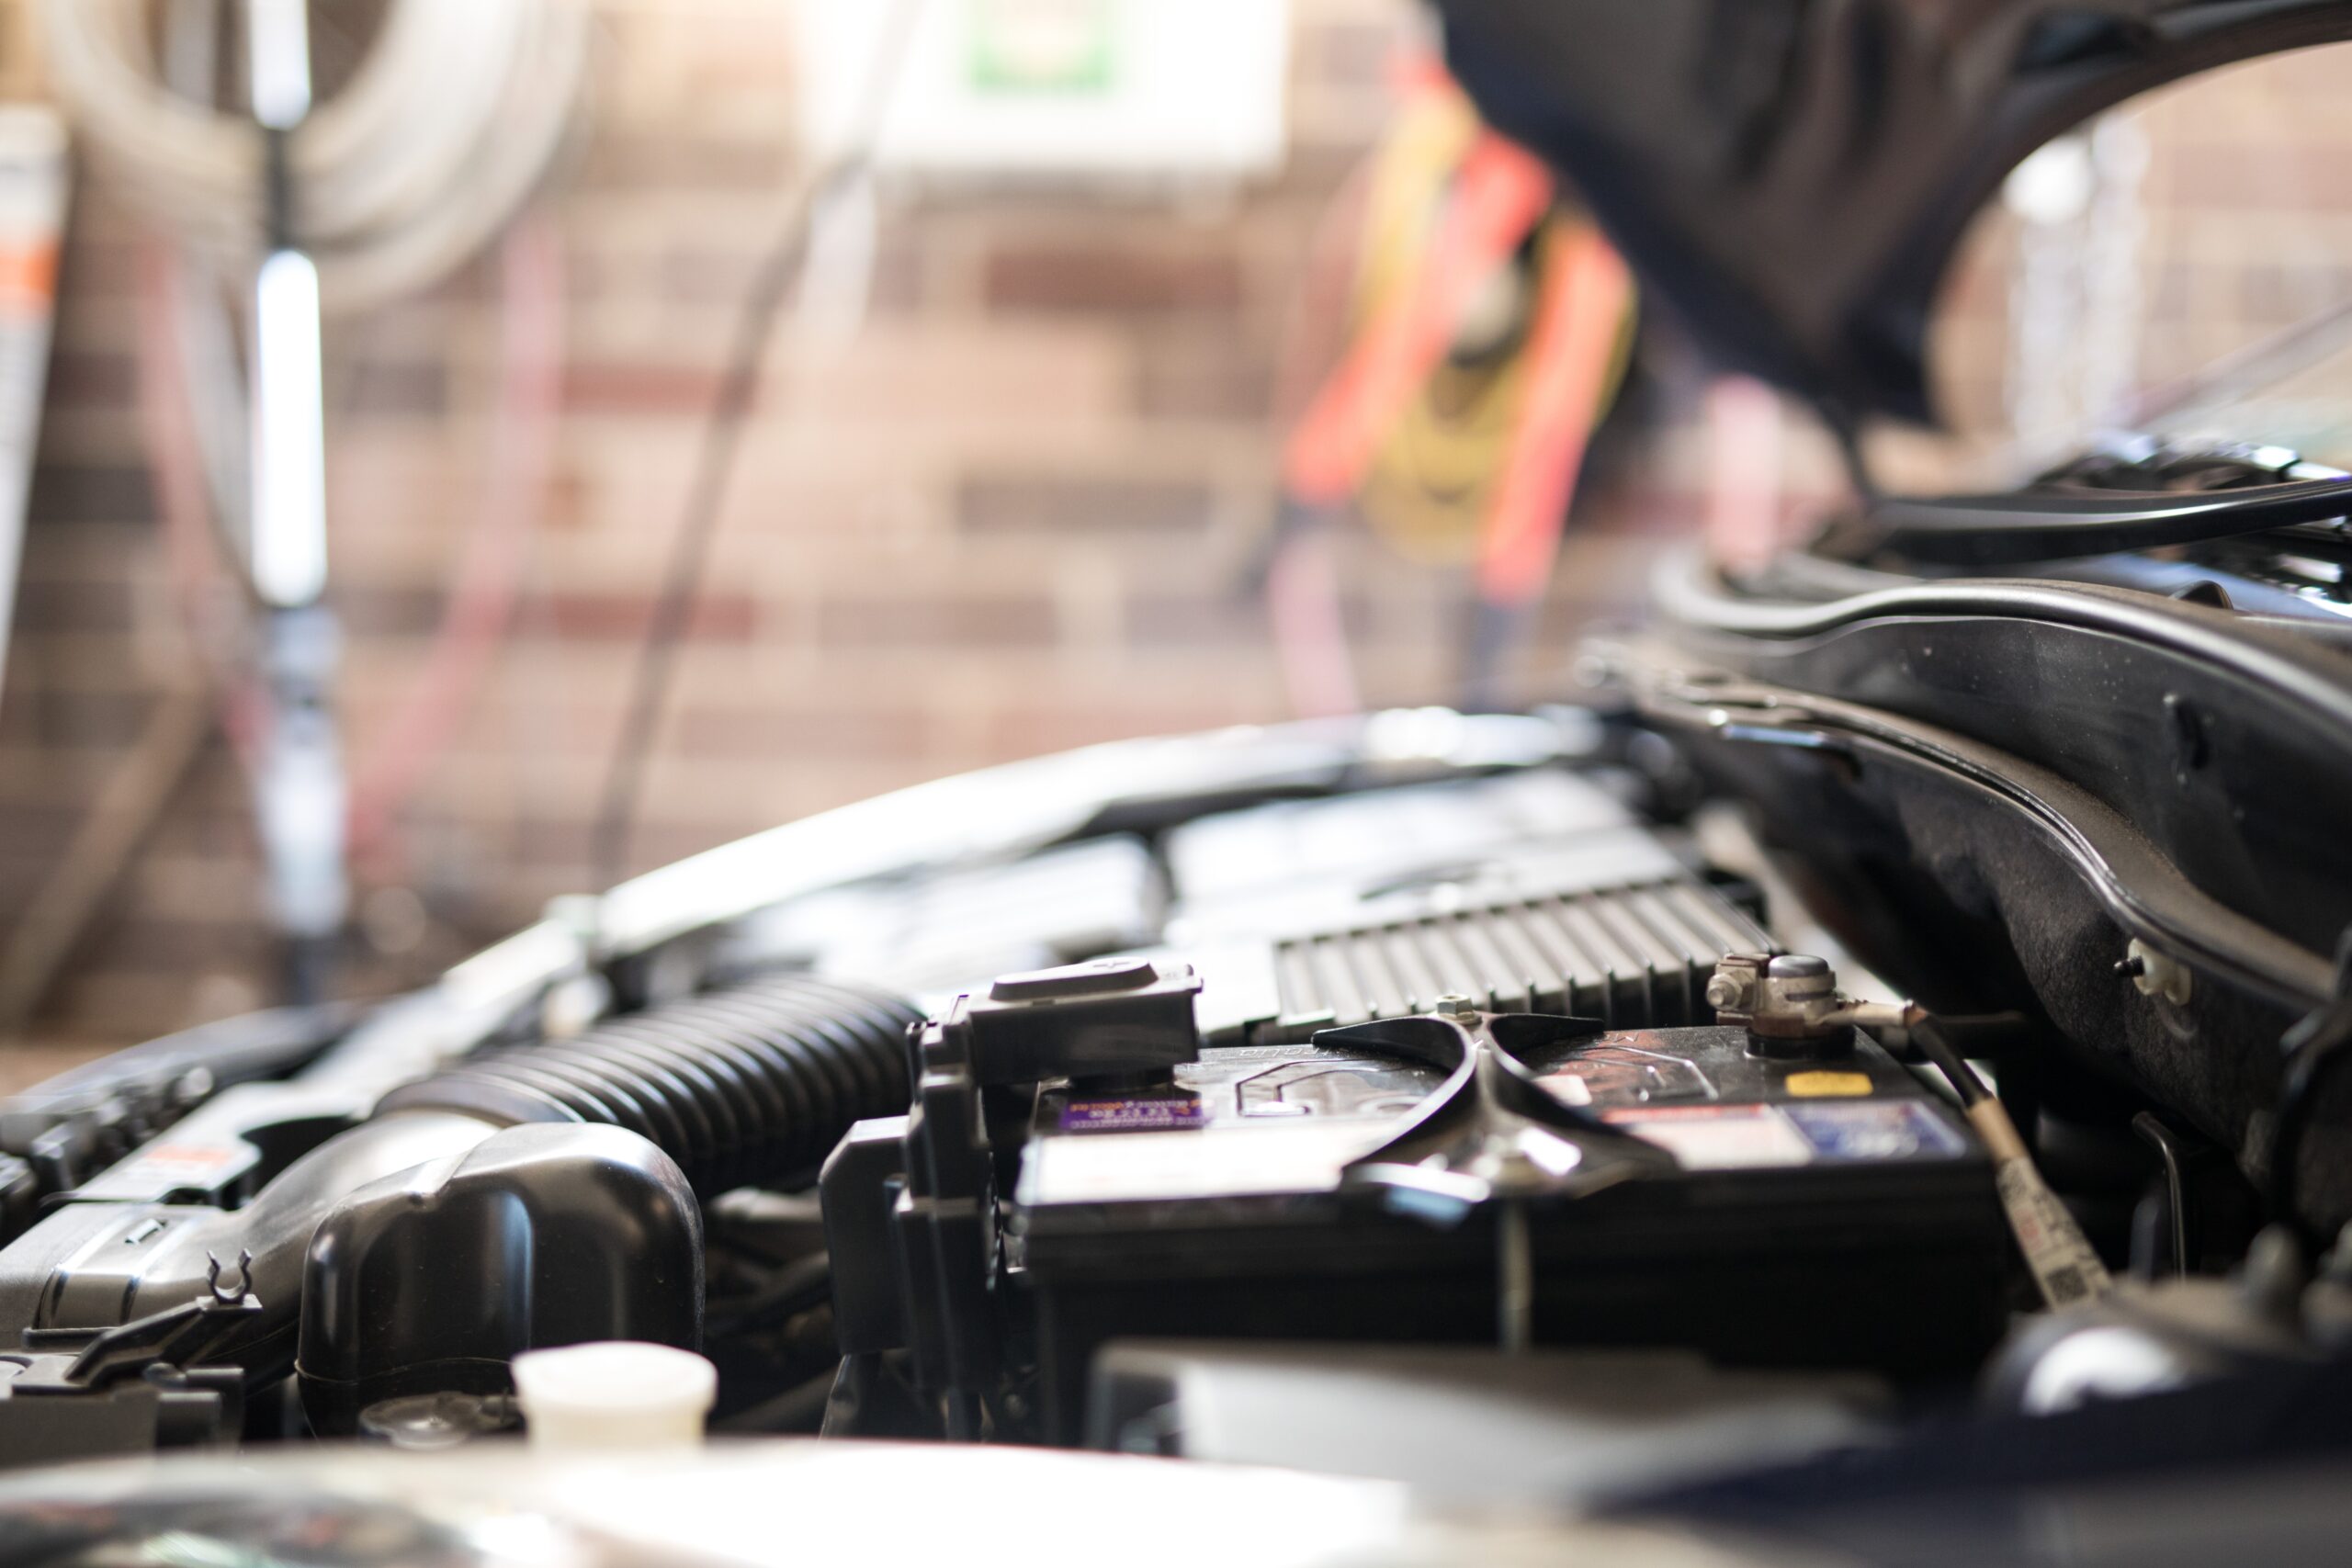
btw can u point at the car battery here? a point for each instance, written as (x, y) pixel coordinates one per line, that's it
(1824, 1211)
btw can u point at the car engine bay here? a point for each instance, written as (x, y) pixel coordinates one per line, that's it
(1858, 1075)
(1450, 1098)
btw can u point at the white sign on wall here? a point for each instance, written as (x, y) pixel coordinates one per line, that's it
(1177, 88)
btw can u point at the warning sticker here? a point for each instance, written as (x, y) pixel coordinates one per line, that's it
(1165, 1113)
(1717, 1137)
(1875, 1130)
(190, 1163)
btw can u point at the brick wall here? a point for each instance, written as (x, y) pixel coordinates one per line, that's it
(1010, 517)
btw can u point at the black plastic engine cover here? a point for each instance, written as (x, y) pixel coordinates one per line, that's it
(434, 1279)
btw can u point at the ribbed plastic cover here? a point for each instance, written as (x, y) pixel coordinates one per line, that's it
(1629, 957)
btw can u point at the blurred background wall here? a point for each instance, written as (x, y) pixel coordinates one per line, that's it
(1015, 514)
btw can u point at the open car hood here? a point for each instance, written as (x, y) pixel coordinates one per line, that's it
(1791, 176)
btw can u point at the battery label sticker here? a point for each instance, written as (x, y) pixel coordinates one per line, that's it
(1827, 1085)
(1875, 1130)
(1233, 1162)
(1158, 1115)
(1717, 1137)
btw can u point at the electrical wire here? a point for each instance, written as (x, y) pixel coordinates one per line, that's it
(2065, 1267)
(1294, 570)
(1492, 333)
(800, 1408)
(1308, 618)
(121, 818)
(197, 548)
(488, 582)
(194, 548)
(715, 462)
(104, 843)
(455, 110)
(798, 1287)
(212, 378)
(442, 130)
(1939, 1051)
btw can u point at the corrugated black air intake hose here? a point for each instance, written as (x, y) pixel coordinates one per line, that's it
(752, 1084)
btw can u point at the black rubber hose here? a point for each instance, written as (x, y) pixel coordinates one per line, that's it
(752, 1084)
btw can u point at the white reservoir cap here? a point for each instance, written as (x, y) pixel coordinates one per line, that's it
(616, 1393)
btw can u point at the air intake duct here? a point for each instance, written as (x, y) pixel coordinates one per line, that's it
(752, 1084)
(560, 1227)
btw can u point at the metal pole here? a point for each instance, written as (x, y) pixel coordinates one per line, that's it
(299, 791)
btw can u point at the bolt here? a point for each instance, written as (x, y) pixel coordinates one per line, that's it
(1797, 966)
(1725, 991)
(2131, 967)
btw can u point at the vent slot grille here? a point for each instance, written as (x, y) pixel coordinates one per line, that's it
(1636, 957)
